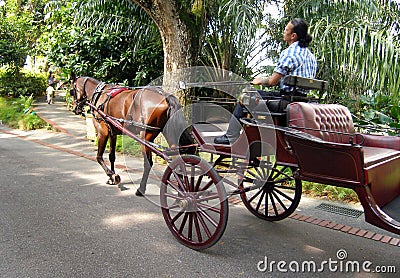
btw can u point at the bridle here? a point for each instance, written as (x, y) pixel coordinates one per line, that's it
(82, 102)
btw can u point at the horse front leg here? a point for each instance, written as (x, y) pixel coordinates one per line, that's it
(114, 178)
(101, 146)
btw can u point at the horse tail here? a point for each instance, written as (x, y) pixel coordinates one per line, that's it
(177, 124)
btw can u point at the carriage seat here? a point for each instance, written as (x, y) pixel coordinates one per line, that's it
(337, 155)
(277, 101)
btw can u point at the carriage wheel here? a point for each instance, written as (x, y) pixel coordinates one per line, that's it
(276, 193)
(194, 203)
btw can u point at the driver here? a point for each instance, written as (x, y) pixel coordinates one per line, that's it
(297, 60)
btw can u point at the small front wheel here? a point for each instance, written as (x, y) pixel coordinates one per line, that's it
(194, 202)
(276, 192)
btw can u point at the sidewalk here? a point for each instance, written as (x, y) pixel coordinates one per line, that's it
(72, 137)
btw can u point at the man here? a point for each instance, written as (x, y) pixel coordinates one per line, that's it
(297, 60)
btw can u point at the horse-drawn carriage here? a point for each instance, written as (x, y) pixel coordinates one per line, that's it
(288, 139)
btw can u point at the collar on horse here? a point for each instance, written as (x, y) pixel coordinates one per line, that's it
(96, 95)
(110, 95)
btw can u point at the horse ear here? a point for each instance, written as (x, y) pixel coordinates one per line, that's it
(73, 77)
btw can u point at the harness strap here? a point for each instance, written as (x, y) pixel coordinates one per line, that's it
(97, 94)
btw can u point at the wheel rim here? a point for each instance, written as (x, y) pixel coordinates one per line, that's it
(276, 192)
(194, 203)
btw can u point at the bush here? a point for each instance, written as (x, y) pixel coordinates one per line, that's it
(22, 83)
(17, 113)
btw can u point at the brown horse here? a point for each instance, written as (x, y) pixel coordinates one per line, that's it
(147, 111)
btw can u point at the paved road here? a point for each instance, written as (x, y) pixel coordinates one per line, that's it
(59, 219)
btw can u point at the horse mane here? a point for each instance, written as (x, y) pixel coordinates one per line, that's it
(177, 123)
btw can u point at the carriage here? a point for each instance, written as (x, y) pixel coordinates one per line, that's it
(287, 140)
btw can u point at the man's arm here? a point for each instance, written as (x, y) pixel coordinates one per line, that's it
(269, 82)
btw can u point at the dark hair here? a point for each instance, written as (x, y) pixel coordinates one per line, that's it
(300, 27)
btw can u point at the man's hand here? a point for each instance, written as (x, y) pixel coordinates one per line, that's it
(260, 81)
(269, 81)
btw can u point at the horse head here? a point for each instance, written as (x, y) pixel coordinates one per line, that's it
(79, 94)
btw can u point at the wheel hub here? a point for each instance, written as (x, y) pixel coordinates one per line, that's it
(188, 203)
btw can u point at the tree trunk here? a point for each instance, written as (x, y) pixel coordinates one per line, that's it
(178, 30)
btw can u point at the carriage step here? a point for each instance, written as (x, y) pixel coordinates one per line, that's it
(340, 210)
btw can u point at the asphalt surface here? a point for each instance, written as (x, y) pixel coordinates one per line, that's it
(59, 219)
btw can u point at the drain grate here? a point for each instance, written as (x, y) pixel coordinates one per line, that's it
(340, 210)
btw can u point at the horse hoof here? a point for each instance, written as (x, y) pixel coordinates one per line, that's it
(114, 179)
(139, 194)
(117, 179)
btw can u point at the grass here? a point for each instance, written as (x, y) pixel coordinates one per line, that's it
(330, 192)
(17, 113)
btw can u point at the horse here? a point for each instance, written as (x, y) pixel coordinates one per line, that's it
(147, 109)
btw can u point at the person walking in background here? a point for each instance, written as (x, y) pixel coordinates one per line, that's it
(50, 94)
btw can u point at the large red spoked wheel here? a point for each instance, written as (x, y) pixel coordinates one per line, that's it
(194, 202)
(275, 192)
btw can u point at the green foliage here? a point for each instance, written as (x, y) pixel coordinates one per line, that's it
(22, 83)
(231, 37)
(20, 26)
(103, 45)
(18, 113)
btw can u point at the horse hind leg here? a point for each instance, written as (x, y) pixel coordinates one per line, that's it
(148, 163)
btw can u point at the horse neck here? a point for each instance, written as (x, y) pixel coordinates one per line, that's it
(90, 87)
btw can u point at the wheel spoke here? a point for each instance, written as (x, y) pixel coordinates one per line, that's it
(207, 185)
(185, 177)
(283, 194)
(266, 204)
(280, 201)
(173, 196)
(173, 206)
(198, 183)
(190, 229)
(177, 216)
(197, 226)
(273, 203)
(209, 197)
(255, 195)
(208, 207)
(261, 199)
(184, 220)
(208, 217)
(260, 175)
(203, 224)
(181, 186)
